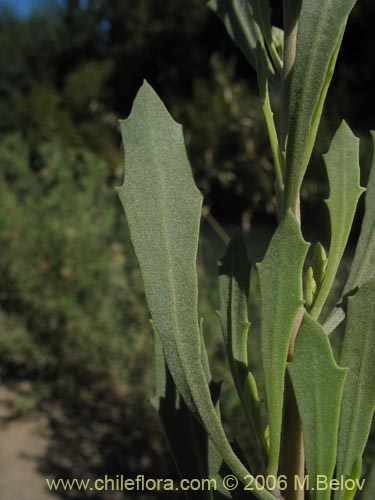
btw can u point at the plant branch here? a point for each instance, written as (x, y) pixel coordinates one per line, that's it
(292, 463)
(292, 454)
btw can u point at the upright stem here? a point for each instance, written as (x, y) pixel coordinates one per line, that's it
(292, 460)
(292, 456)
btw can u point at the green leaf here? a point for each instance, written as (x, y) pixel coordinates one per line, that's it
(342, 163)
(355, 476)
(272, 133)
(278, 40)
(204, 355)
(369, 489)
(194, 453)
(363, 266)
(163, 209)
(189, 448)
(309, 285)
(318, 385)
(280, 276)
(321, 27)
(234, 283)
(158, 180)
(319, 263)
(248, 23)
(358, 354)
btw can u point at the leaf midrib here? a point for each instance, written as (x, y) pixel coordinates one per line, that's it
(160, 175)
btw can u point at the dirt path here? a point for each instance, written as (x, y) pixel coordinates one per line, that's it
(23, 442)
(98, 433)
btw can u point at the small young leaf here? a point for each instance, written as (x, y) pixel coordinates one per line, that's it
(358, 354)
(319, 263)
(278, 40)
(272, 133)
(342, 163)
(363, 266)
(163, 208)
(309, 285)
(280, 276)
(318, 385)
(321, 27)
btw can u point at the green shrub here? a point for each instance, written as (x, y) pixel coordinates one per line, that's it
(64, 274)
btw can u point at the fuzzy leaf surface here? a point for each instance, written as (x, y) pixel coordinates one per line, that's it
(358, 354)
(163, 207)
(342, 164)
(318, 384)
(321, 27)
(363, 265)
(158, 180)
(280, 276)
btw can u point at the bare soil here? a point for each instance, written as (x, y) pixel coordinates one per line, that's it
(93, 435)
(23, 443)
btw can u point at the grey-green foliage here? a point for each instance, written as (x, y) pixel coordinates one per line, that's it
(358, 355)
(281, 298)
(342, 163)
(234, 283)
(363, 265)
(157, 179)
(163, 206)
(321, 26)
(193, 451)
(318, 383)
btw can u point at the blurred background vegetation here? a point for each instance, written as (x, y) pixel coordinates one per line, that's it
(73, 320)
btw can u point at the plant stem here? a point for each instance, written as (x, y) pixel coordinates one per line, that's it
(292, 455)
(292, 463)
